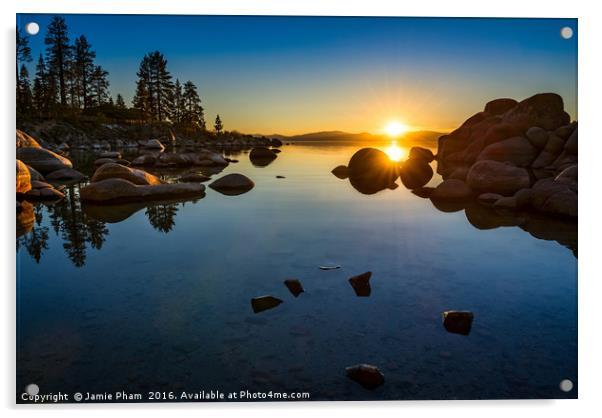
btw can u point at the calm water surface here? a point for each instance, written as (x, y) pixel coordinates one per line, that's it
(160, 300)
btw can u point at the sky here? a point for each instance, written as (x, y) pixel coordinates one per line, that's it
(293, 75)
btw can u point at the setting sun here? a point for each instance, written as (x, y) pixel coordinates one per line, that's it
(395, 128)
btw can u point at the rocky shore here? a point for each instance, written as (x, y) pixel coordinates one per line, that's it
(515, 156)
(43, 169)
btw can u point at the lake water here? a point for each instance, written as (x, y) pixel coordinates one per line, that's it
(160, 300)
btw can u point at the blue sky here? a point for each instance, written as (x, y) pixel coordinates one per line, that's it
(301, 74)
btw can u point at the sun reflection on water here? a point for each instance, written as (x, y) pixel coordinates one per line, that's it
(395, 152)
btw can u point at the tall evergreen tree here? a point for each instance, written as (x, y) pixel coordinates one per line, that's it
(120, 103)
(58, 54)
(24, 95)
(154, 92)
(99, 86)
(193, 111)
(83, 58)
(23, 50)
(219, 126)
(44, 95)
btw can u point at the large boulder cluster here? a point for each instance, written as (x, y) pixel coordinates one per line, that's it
(514, 155)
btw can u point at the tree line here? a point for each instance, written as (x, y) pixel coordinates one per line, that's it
(68, 79)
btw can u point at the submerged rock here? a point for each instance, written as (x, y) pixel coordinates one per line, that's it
(118, 189)
(42, 160)
(361, 284)
(232, 184)
(367, 375)
(294, 286)
(458, 322)
(151, 144)
(340, 172)
(134, 175)
(261, 156)
(263, 303)
(147, 159)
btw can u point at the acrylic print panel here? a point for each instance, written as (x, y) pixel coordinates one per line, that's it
(254, 208)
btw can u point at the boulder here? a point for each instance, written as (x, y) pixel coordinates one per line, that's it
(571, 143)
(419, 153)
(42, 160)
(102, 161)
(500, 106)
(488, 199)
(415, 173)
(459, 173)
(516, 150)
(35, 174)
(506, 202)
(565, 131)
(275, 142)
(340, 172)
(497, 177)
(555, 144)
(537, 136)
(65, 174)
(261, 156)
(23, 178)
(26, 141)
(545, 110)
(451, 190)
(523, 198)
(232, 184)
(113, 170)
(367, 375)
(554, 197)
(371, 170)
(114, 190)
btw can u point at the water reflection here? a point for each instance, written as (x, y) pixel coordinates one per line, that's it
(82, 227)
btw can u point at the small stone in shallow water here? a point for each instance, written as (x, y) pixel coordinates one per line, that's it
(458, 322)
(361, 284)
(366, 375)
(341, 172)
(280, 177)
(263, 303)
(294, 286)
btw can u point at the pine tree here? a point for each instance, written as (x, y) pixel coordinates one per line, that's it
(83, 58)
(193, 111)
(120, 103)
(24, 95)
(59, 54)
(23, 50)
(218, 125)
(154, 92)
(99, 85)
(44, 95)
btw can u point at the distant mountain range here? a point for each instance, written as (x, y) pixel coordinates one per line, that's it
(424, 138)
